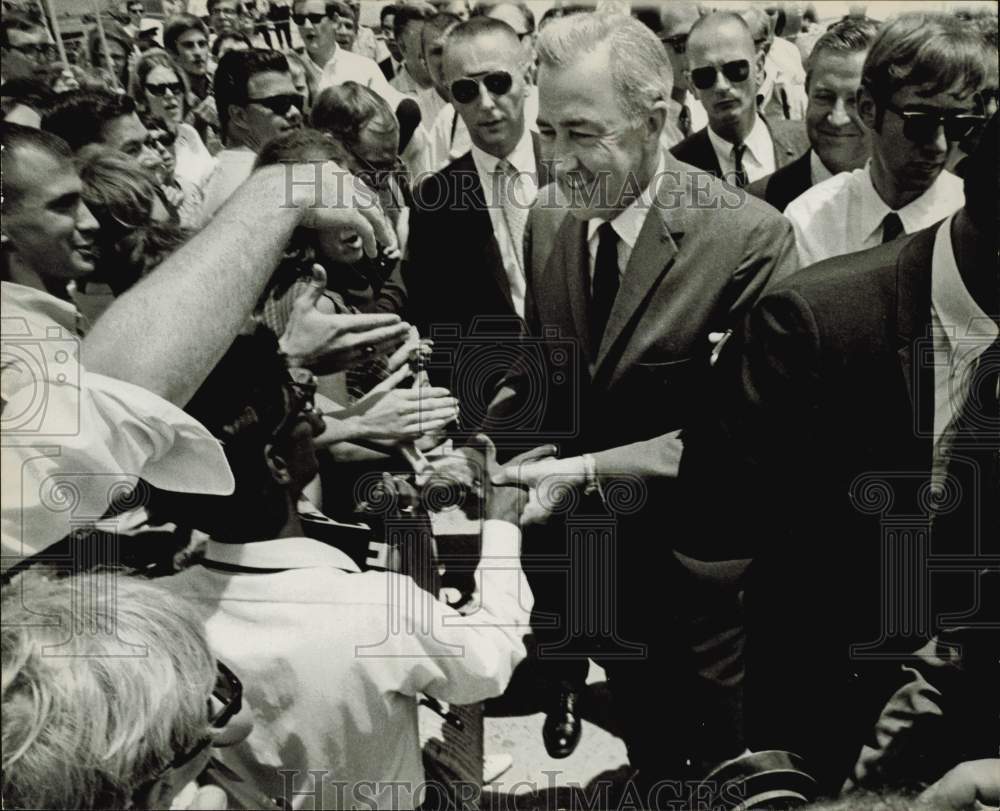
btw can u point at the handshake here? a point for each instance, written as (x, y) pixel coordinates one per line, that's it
(525, 490)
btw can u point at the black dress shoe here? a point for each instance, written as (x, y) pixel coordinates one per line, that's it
(561, 731)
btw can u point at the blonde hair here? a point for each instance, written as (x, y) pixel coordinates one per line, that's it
(106, 679)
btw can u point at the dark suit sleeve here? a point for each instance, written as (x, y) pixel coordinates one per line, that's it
(416, 269)
(392, 295)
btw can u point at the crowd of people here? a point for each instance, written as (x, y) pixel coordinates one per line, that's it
(687, 315)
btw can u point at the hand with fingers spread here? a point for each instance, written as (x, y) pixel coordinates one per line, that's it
(401, 415)
(329, 342)
(548, 479)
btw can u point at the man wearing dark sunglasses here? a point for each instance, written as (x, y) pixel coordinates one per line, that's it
(726, 69)
(335, 686)
(686, 115)
(918, 99)
(257, 101)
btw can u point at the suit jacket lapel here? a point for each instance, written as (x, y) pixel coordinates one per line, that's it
(570, 261)
(711, 159)
(913, 316)
(545, 176)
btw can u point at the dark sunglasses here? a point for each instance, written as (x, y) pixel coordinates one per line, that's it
(921, 126)
(229, 691)
(499, 82)
(736, 71)
(300, 394)
(282, 103)
(38, 50)
(161, 138)
(175, 88)
(679, 42)
(313, 17)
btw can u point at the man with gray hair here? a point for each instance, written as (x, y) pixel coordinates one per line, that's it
(624, 262)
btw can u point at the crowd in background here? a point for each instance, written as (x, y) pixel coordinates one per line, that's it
(691, 312)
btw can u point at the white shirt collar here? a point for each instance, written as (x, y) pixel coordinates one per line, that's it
(628, 224)
(522, 158)
(817, 169)
(915, 215)
(282, 553)
(758, 143)
(956, 309)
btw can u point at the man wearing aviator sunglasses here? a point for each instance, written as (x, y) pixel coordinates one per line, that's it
(725, 69)
(918, 99)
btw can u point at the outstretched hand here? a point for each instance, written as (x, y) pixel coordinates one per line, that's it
(504, 502)
(332, 342)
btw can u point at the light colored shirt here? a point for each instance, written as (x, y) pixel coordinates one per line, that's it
(73, 440)
(345, 66)
(232, 168)
(195, 163)
(428, 99)
(332, 660)
(962, 331)
(758, 160)
(522, 194)
(627, 225)
(845, 213)
(817, 169)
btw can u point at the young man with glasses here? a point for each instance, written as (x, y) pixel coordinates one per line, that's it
(256, 100)
(726, 69)
(686, 115)
(186, 38)
(333, 658)
(25, 46)
(918, 99)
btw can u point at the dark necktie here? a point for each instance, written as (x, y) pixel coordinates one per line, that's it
(684, 120)
(892, 227)
(606, 280)
(739, 173)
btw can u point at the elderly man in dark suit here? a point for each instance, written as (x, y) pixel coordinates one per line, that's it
(625, 264)
(464, 256)
(860, 437)
(726, 70)
(838, 138)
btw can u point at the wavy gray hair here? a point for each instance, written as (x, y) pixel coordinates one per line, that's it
(640, 70)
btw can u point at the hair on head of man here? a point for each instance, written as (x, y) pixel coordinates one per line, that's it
(80, 116)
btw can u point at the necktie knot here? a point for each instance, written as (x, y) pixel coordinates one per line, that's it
(739, 172)
(892, 227)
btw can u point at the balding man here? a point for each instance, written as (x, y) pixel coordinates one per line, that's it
(624, 263)
(726, 70)
(687, 116)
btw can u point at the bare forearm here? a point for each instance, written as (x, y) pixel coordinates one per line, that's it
(179, 321)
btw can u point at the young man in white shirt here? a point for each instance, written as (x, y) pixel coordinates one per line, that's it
(917, 99)
(332, 659)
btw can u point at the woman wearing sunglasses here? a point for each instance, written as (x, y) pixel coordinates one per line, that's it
(117, 702)
(161, 89)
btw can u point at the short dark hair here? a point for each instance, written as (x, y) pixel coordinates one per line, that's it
(345, 109)
(177, 26)
(233, 74)
(405, 15)
(846, 36)
(113, 32)
(386, 10)
(292, 147)
(29, 92)
(924, 49)
(80, 116)
(15, 138)
(211, 4)
(234, 36)
(17, 21)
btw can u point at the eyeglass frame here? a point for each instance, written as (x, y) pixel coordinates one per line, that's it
(298, 103)
(910, 119)
(482, 81)
(175, 88)
(717, 70)
(678, 42)
(296, 403)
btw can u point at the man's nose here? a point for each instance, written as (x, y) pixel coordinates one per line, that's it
(938, 143)
(838, 116)
(486, 99)
(85, 220)
(294, 115)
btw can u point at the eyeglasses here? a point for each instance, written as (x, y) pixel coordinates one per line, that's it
(282, 103)
(300, 394)
(313, 17)
(679, 42)
(136, 10)
(36, 50)
(175, 88)
(229, 691)
(921, 126)
(736, 71)
(498, 83)
(163, 138)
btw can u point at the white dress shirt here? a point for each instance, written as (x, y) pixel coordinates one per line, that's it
(627, 225)
(844, 214)
(961, 333)
(345, 66)
(73, 440)
(758, 160)
(523, 195)
(817, 169)
(332, 660)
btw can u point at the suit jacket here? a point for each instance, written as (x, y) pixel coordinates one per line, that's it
(387, 68)
(788, 137)
(824, 452)
(782, 186)
(453, 270)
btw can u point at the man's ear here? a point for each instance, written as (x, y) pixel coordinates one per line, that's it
(277, 465)
(758, 67)
(867, 109)
(237, 115)
(655, 119)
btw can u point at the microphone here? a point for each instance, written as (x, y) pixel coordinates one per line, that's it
(408, 115)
